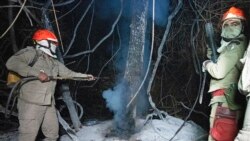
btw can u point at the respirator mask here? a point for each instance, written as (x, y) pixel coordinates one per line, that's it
(48, 47)
(231, 28)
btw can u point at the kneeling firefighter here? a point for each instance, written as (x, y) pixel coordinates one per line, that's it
(36, 102)
(225, 73)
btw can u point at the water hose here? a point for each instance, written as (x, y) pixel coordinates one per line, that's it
(15, 89)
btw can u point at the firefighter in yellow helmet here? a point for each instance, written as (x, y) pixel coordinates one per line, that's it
(224, 77)
(36, 102)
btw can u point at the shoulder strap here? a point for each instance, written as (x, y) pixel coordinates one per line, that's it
(31, 64)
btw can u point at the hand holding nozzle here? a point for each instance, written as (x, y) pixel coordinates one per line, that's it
(43, 77)
(90, 77)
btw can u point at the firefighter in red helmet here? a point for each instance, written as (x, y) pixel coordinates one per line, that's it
(46, 41)
(224, 77)
(36, 102)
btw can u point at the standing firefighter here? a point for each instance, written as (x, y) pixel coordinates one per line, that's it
(36, 103)
(225, 74)
(244, 87)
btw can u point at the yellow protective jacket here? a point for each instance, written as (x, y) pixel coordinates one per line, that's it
(37, 92)
(227, 69)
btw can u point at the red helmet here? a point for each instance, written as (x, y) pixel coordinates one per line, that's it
(234, 13)
(44, 34)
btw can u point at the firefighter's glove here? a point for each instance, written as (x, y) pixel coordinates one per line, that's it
(90, 77)
(204, 65)
(43, 77)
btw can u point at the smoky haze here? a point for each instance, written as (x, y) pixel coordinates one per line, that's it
(118, 97)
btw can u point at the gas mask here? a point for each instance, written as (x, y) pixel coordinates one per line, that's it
(47, 47)
(231, 28)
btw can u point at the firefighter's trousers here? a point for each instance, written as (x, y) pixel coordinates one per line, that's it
(223, 122)
(32, 117)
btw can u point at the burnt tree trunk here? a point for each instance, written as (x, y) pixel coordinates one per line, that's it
(64, 87)
(134, 66)
(69, 102)
(12, 31)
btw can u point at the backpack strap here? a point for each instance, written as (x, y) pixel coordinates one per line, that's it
(31, 64)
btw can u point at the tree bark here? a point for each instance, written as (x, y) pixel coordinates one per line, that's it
(64, 87)
(134, 66)
(12, 31)
(68, 100)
